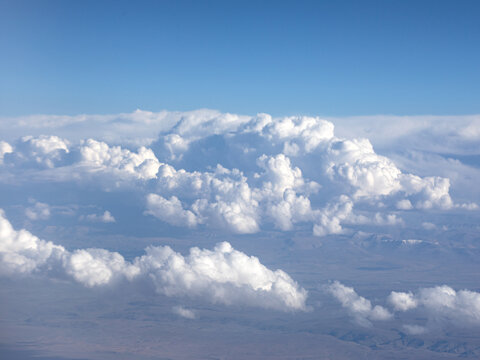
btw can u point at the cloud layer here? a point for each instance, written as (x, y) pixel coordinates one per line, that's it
(232, 172)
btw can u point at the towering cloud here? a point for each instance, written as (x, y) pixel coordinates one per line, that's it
(232, 172)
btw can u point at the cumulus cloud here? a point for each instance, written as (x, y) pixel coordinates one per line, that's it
(221, 199)
(299, 134)
(442, 304)
(183, 312)
(265, 186)
(170, 211)
(39, 211)
(42, 151)
(222, 275)
(106, 217)
(5, 148)
(22, 253)
(359, 307)
(404, 204)
(99, 156)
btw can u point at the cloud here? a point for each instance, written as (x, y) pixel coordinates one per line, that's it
(222, 275)
(282, 171)
(402, 301)
(442, 304)
(170, 211)
(99, 156)
(39, 152)
(5, 148)
(220, 199)
(404, 204)
(415, 329)
(299, 134)
(183, 312)
(39, 211)
(106, 217)
(22, 253)
(359, 307)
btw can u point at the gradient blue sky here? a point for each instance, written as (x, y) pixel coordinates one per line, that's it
(331, 58)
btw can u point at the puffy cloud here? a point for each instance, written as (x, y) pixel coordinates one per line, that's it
(5, 148)
(402, 301)
(430, 191)
(298, 133)
(183, 312)
(221, 199)
(359, 307)
(222, 275)
(99, 156)
(442, 304)
(106, 217)
(22, 253)
(346, 171)
(278, 192)
(404, 204)
(330, 218)
(42, 151)
(356, 162)
(39, 211)
(95, 267)
(170, 211)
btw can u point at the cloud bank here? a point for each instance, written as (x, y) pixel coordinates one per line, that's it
(442, 305)
(225, 171)
(222, 275)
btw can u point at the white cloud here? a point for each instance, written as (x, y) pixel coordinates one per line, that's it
(170, 211)
(183, 312)
(298, 133)
(404, 204)
(441, 304)
(330, 218)
(222, 275)
(106, 217)
(39, 211)
(42, 151)
(359, 307)
(220, 199)
(99, 156)
(22, 253)
(5, 148)
(356, 162)
(402, 301)
(95, 267)
(270, 190)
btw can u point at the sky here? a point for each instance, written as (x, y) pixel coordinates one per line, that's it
(239, 180)
(319, 58)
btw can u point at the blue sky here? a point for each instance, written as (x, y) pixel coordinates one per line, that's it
(331, 58)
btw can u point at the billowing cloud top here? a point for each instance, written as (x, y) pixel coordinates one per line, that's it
(225, 171)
